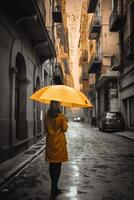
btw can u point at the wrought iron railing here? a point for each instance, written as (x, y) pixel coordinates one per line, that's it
(95, 62)
(95, 27)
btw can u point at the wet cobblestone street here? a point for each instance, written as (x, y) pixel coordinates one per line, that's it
(100, 167)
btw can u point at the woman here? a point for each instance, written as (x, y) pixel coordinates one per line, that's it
(56, 148)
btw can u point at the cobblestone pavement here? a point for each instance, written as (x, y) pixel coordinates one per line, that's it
(100, 167)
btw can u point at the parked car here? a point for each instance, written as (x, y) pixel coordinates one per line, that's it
(111, 121)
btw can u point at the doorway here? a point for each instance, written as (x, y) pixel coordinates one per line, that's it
(20, 97)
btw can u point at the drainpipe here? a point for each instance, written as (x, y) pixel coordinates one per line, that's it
(121, 32)
(121, 47)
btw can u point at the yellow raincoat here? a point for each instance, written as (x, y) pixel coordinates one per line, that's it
(56, 145)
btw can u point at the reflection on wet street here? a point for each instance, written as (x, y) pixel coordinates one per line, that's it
(100, 167)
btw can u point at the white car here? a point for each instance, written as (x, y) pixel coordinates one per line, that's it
(76, 119)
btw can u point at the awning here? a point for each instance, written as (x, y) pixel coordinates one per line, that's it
(110, 75)
(26, 13)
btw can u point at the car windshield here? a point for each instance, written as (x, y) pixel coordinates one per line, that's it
(113, 115)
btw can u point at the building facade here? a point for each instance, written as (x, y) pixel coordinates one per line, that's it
(83, 58)
(111, 36)
(103, 44)
(122, 22)
(62, 45)
(27, 53)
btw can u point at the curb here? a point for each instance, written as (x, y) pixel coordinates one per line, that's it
(22, 160)
(124, 136)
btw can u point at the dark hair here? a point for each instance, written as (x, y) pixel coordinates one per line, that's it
(54, 109)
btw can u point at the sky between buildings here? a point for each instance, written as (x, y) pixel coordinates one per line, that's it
(73, 9)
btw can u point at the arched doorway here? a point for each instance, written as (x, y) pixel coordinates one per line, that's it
(20, 97)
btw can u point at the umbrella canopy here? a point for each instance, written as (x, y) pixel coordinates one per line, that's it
(68, 96)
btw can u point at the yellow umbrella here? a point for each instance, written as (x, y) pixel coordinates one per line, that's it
(68, 96)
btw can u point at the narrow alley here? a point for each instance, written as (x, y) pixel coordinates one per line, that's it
(65, 62)
(100, 167)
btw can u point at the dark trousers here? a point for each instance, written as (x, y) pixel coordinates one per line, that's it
(54, 170)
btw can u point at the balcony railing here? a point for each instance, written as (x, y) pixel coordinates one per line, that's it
(92, 6)
(57, 15)
(106, 77)
(115, 62)
(129, 47)
(115, 21)
(95, 28)
(95, 63)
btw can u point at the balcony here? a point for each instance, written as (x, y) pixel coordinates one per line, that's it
(104, 78)
(57, 74)
(30, 17)
(115, 21)
(92, 6)
(115, 62)
(95, 63)
(129, 47)
(95, 28)
(57, 15)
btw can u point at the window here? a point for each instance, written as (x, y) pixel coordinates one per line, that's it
(20, 97)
